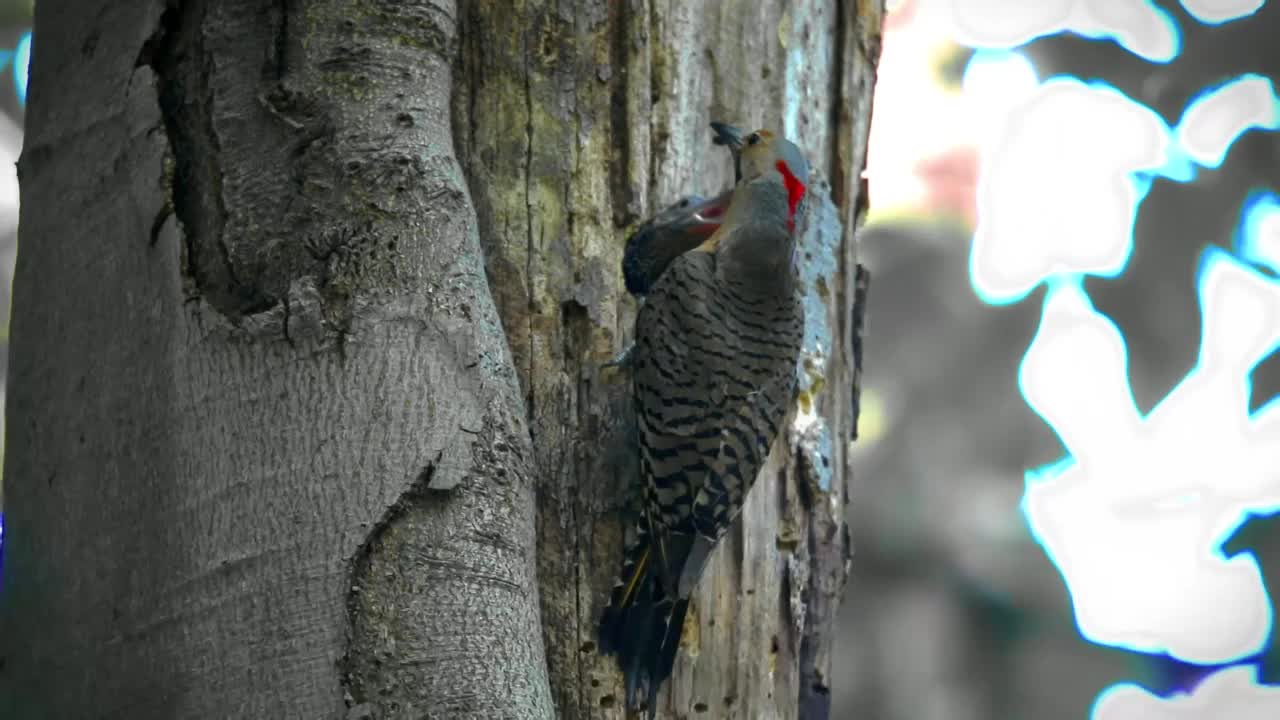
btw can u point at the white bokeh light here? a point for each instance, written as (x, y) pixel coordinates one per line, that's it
(1134, 522)
(1135, 516)
(1231, 694)
(1214, 12)
(1214, 121)
(994, 82)
(1259, 237)
(1057, 195)
(1136, 25)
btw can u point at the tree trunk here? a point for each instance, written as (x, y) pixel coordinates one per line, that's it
(575, 120)
(268, 453)
(266, 448)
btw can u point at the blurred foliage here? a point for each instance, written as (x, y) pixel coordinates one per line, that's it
(949, 65)
(13, 14)
(16, 12)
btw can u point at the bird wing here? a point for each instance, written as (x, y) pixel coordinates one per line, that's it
(714, 373)
(767, 333)
(677, 403)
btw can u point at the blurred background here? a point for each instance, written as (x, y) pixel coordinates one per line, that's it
(953, 611)
(15, 49)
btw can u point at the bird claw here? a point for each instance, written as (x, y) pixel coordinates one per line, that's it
(617, 368)
(621, 360)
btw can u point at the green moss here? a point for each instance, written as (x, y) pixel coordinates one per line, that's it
(353, 85)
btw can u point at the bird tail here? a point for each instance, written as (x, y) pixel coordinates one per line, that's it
(643, 621)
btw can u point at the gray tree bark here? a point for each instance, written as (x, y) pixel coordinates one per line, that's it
(267, 456)
(269, 450)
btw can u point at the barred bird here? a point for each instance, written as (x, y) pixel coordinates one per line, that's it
(680, 227)
(713, 373)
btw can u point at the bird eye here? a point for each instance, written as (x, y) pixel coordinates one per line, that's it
(753, 138)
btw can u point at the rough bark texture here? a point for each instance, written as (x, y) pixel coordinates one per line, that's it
(266, 453)
(574, 120)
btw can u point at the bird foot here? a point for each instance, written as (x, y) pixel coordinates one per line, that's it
(620, 363)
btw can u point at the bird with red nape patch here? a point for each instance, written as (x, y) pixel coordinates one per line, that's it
(713, 375)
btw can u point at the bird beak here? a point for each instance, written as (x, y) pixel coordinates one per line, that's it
(694, 215)
(710, 213)
(727, 135)
(730, 137)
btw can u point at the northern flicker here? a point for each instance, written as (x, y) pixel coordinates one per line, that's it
(713, 373)
(680, 227)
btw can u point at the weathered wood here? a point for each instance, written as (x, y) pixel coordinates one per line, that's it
(575, 120)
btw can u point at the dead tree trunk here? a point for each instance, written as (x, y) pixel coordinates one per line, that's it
(269, 451)
(575, 120)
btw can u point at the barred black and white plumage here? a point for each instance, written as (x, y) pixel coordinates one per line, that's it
(714, 371)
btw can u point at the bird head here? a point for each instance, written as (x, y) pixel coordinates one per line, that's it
(763, 154)
(674, 231)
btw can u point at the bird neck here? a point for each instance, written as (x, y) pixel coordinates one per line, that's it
(764, 199)
(759, 245)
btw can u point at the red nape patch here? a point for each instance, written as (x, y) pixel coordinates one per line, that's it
(795, 191)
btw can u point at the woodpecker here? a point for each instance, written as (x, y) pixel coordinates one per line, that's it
(713, 374)
(671, 233)
(680, 227)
